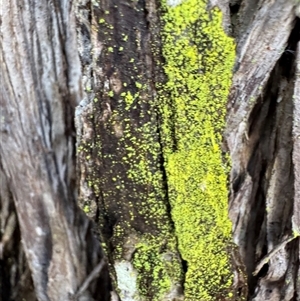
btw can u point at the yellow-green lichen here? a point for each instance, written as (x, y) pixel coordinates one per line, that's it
(158, 269)
(155, 258)
(86, 209)
(129, 98)
(110, 93)
(198, 63)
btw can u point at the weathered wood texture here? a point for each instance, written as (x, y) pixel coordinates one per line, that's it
(15, 276)
(262, 136)
(296, 159)
(40, 87)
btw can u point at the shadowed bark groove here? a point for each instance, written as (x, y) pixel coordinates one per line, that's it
(12, 258)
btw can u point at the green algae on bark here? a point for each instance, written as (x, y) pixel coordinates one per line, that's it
(198, 63)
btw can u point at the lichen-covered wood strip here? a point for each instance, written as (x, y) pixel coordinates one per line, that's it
(122, 177)
(198, 63)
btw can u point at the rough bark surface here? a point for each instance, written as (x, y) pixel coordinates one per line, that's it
(262, 137)
(15, 276)
(122, 181)
(121, 177)
(40, 87)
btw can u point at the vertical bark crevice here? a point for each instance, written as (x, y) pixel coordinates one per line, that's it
(15, 276)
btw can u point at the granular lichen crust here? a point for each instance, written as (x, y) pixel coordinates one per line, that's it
(198, 63)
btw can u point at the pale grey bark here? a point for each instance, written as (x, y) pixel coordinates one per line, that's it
(296, 140)
(40, 87)
(262, 124)
(296, 161)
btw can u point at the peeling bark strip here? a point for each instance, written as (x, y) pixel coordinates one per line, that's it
(296, 140)
(261, 116)
(40, 81)
(296, 161)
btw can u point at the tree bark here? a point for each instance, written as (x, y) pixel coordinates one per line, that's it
(139, 140)
(12, 258)
(262, 136)
(41, 85)
(122, 181)
(149, 108)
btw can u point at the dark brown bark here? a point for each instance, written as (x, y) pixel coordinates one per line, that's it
(122, 181)
(40, 87)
